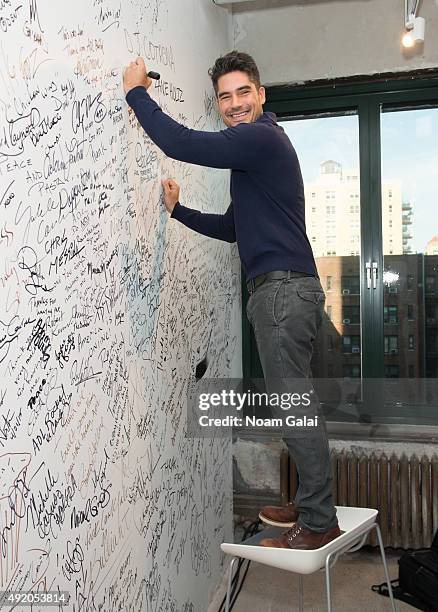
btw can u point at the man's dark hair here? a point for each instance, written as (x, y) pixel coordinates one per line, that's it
(235, 60)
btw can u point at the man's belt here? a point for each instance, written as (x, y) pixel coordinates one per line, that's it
(275, 275)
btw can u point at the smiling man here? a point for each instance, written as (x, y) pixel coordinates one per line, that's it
(266, 218)
(240, 99)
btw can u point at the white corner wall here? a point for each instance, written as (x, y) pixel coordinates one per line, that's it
(106, 307)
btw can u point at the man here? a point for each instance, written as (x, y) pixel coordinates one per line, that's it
(266, 218)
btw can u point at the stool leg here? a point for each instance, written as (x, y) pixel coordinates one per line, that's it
(327, 582)
(382, 554)
(300, 593)
(230, 578)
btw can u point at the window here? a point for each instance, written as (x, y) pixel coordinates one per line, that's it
(431, 344)
(392, 287)
(391, 345)
(329, 312)
(391, 371)
(329, 283)
(387, 110)
(351, 315)
(351, 344)
(430, 284)
(350, 370)
(390, 314)
(430, 314)
(350, 284)
(329, 342)
(413, 235)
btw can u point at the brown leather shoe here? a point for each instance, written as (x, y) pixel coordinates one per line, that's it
(300, 538)
(279, 516)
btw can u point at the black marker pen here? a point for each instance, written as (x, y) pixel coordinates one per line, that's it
(154, 75)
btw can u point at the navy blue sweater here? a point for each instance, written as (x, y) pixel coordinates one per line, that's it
(266, 215)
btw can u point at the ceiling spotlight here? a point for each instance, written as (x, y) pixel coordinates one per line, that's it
(408, 40)
(414, 25)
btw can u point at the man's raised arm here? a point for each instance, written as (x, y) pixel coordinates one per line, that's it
(239, 147)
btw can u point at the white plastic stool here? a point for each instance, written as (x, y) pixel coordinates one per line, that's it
(356, 523)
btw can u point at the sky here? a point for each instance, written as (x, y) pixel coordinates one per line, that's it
(409, 154)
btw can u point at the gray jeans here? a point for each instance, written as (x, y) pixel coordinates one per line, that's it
(285, 315)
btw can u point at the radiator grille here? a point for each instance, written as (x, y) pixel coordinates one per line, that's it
(403, 489)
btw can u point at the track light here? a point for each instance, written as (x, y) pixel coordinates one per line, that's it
(414, 25)
(408, 40)
(419, 26)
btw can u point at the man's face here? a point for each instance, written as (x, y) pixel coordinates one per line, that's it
(239, 100)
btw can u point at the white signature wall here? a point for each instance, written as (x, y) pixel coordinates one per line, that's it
(106, 308)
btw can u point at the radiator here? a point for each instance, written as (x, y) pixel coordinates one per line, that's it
(403, 489)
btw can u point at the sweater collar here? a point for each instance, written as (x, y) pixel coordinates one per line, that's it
(267, 117)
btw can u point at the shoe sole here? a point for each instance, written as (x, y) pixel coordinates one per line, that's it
(269, 521)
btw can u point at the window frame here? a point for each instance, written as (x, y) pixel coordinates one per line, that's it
(367, 97)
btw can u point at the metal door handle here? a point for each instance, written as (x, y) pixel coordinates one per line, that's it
(375, 270)
(368, 272)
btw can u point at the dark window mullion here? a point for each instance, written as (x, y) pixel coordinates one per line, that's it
(371, 232)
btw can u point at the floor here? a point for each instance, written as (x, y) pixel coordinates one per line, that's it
(270, 590)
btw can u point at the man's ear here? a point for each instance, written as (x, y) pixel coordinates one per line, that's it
(262, 94)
